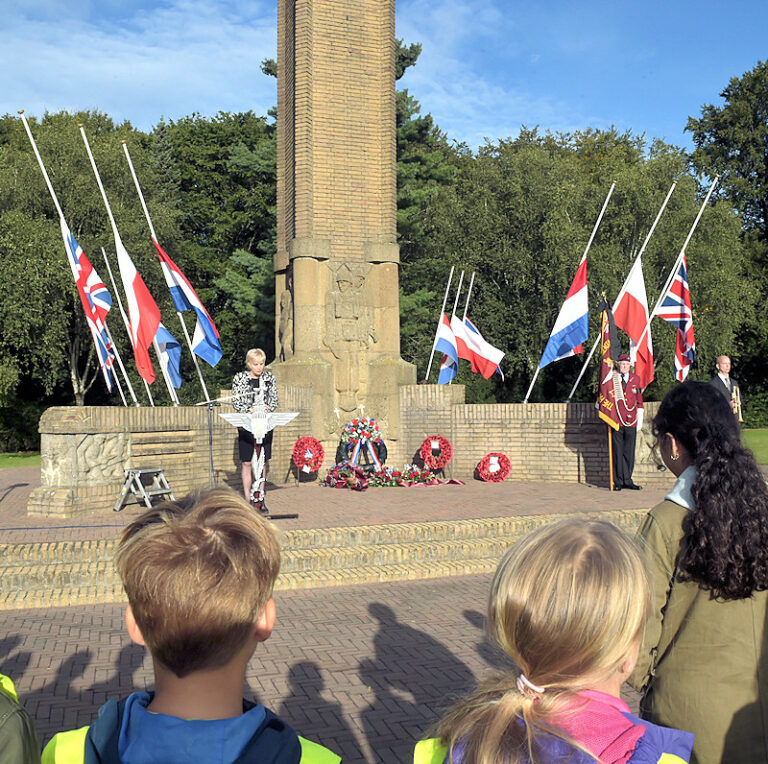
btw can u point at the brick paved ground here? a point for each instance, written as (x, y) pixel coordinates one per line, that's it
(325, 507)
(366, 681)
(363, 669)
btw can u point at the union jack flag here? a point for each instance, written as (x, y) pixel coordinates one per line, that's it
(95, 298)
(676, 308)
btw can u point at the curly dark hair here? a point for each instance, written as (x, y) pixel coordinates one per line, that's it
(725, 542)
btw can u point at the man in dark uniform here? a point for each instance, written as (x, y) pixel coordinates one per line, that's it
(724, 382)
(629, 408)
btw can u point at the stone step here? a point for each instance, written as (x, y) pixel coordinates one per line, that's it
(81, 572)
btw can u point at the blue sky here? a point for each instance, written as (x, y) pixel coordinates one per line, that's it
(487, 66)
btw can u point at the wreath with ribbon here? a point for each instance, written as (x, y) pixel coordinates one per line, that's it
(436, 451)
(361, 445)
(308, 454)
(494, 467)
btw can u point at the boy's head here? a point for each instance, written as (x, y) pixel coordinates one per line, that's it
(198, 573)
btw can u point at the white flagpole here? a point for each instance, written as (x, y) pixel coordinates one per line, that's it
(126, 322)
(40, 162)
(679, 260)
(109, 334)
(117, 376)
(171, 391)
(586, 249)
(469, 294)
(442, 310)
(61, 217)
(154, 238)
(621, 291)
(456, 305)
(458, 293)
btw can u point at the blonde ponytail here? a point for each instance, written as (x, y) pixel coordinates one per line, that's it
(568, 602)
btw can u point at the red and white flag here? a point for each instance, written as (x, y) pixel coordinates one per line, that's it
(631, 315)
(143, 313)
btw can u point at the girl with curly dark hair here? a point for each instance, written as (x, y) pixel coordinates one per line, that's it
(704, 657)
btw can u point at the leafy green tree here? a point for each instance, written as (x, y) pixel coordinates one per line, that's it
(42, 328)
(732, 140)
(225, 171)
(519, 215)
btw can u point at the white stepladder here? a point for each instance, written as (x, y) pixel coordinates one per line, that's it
(259, 423)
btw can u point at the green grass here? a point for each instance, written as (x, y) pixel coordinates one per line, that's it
(20, 459)
(757, 441)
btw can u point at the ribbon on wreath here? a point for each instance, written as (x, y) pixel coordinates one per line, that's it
(355, 455)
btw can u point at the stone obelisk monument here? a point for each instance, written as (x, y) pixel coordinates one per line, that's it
(337, 259)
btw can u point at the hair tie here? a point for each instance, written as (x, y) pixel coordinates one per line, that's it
(524, 684)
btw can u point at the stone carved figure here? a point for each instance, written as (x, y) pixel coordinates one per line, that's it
(285, 329)
(349, 328)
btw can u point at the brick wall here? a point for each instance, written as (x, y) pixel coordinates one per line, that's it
(85, 450)
(544, 441)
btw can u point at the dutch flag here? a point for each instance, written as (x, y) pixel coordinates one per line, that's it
(571, 328)
(446, 343)
(205, 342)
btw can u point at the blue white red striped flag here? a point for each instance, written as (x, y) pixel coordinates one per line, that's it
(170, 354)
(205, 342)
(571, 327)
(676, 308)
(95, 299)
(446, 343)
(473, 347)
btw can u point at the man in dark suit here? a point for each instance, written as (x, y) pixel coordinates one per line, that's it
(629, 407)
(724, 382)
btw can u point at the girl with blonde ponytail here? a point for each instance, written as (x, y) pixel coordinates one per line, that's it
(568, 605)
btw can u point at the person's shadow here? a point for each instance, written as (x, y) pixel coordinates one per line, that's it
(123, 681)
(56, 706)
(13, 666)
(314, 717)
(488, 650)
(414, 678)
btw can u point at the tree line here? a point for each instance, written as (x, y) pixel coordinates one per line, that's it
(517, 211)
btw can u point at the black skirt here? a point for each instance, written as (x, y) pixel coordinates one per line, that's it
(245, 444)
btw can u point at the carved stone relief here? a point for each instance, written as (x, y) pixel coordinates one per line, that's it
(349, 328)
(102, 458)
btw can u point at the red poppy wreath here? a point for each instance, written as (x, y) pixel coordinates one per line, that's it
(494, 468)
(308, 454)
(436, 451)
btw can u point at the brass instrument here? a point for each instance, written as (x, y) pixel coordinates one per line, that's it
(736, 401)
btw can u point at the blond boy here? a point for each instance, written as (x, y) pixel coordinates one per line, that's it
(199, 575)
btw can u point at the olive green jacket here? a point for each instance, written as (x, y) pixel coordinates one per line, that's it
(18, 738)
(701, 658)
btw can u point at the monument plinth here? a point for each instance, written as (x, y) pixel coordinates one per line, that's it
(336, 266)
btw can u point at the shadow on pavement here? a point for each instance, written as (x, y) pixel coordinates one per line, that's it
(305, 700)
(414, 677)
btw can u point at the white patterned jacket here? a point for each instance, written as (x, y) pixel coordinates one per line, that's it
(244, 396)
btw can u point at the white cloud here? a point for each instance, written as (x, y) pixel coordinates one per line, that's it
(463, 76)
(169, 60)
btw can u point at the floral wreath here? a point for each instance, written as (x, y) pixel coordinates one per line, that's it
(494, 467)
(308, 454)
(444, 449)
(346, 476)
(361, 429)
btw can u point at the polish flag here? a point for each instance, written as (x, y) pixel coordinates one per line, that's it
(631, 315)
(143, 313)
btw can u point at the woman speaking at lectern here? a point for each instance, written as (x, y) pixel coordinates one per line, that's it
(247, 386)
